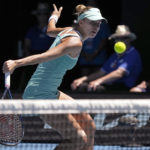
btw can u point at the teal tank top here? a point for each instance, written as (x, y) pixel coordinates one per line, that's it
(48, 76)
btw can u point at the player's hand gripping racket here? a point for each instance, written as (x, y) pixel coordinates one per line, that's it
(7, 86)
(11, 129)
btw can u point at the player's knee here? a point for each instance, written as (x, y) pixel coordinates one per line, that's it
(81, 139)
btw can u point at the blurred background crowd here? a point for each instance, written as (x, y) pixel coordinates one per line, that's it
(24, 28)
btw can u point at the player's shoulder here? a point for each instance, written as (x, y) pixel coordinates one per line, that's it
(72, 37)
(73, 41)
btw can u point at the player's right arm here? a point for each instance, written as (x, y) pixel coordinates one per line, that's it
(68, 46)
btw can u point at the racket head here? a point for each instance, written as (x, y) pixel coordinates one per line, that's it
(11, 130)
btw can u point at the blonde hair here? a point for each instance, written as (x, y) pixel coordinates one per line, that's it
(79, 9)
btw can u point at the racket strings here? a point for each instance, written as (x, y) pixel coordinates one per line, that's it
(10, 129)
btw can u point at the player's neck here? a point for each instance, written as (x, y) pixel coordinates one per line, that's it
(81, 34)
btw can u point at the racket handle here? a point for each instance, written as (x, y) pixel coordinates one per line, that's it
(7, 80)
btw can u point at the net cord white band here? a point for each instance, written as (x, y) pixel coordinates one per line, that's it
(76, 106)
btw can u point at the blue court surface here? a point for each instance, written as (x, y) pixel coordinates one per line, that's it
(38, 146)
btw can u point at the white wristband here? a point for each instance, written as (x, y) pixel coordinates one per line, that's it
(53, 17)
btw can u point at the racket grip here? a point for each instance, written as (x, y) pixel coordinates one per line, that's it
(7, 80)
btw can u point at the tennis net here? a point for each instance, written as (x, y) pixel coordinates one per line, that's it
(105, 124)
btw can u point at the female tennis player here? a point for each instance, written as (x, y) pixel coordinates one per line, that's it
(53, 64)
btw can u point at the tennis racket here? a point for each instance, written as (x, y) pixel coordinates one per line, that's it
(11, 128)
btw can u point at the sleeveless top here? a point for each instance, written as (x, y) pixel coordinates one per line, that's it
(48, 76)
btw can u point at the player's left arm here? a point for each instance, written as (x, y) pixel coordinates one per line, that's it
(52, 30)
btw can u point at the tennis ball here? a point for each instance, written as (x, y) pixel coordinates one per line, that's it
(120, 47)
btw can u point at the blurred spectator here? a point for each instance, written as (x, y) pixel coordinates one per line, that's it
(36, 40)
(142, 87)
(121, 71)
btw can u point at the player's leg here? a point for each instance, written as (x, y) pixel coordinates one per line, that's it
(86, 123)
(68, 127)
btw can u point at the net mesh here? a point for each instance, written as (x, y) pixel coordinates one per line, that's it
(81, 124)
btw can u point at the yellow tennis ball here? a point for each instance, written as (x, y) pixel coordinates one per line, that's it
(120, 47)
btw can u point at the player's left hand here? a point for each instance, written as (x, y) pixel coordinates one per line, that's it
(57, 11)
